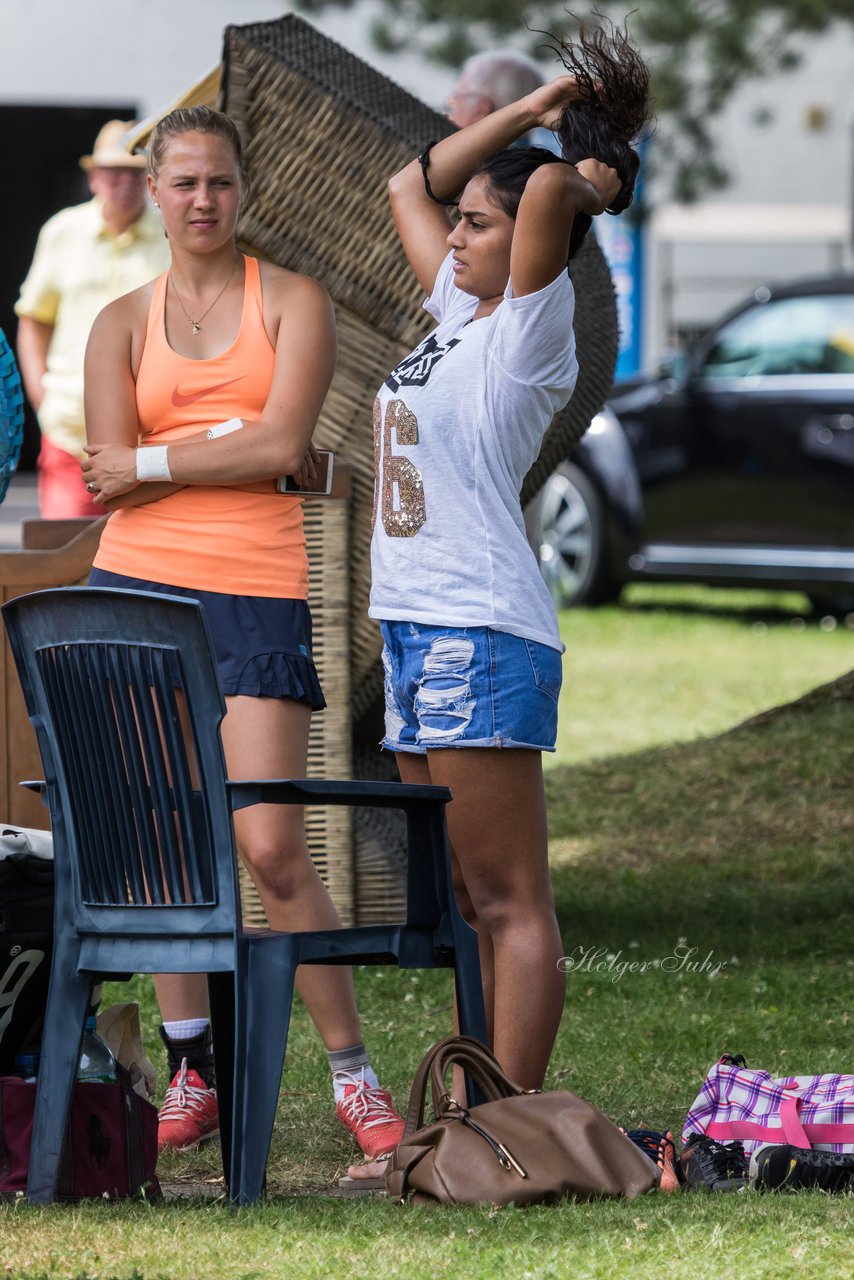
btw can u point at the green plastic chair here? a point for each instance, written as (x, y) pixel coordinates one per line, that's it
(146, 864)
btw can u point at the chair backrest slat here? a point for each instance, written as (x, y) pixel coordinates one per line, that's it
(123, 692)
(123, 830)
(109, 798)
(93, 717)
(181, 755)
(159, 783)
(149, 883)
(65, 677)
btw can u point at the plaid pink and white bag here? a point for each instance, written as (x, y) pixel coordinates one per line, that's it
(752, 1107)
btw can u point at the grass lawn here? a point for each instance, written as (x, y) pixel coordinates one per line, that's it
(687, 662)
(726, 849)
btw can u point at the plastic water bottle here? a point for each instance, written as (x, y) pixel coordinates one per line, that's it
(27, 1066)
(97, 1064)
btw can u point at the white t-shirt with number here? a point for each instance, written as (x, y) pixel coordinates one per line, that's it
(457, 426)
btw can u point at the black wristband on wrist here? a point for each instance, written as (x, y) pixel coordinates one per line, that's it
(424, 161)
(621, 201)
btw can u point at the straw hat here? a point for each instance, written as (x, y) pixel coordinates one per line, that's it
(110, 150)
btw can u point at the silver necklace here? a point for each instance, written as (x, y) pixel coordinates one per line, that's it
(195, 325)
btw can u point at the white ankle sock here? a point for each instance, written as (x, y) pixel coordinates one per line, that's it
(186, 1030)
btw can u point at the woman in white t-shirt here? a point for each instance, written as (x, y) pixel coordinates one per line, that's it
(472, 652)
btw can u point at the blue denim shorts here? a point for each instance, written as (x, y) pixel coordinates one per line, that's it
(467, 687)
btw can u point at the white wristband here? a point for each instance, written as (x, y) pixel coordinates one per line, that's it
(225, 428)
(152, 463)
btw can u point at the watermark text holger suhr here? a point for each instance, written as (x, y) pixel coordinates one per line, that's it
(682, 959)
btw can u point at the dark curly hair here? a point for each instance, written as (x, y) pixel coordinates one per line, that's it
(613, 107)
(611, 112)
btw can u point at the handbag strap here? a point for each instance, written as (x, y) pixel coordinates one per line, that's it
(479, 1064)
(475, 1059)
(415, 1109)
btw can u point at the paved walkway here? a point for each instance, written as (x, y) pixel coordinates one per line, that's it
(19, 504)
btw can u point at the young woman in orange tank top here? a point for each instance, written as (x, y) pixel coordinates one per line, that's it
(202, 388)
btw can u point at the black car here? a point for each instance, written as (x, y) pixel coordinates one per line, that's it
(733, 465)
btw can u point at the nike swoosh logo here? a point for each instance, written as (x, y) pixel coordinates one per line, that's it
(181, 401)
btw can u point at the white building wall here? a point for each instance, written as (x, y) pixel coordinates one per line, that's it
(93, 51)
(788, 142)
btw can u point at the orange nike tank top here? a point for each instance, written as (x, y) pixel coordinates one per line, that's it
(237, 541)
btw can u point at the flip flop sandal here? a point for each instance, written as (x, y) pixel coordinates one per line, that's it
(355, 1186)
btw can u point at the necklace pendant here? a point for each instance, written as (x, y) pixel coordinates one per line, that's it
(195, 327)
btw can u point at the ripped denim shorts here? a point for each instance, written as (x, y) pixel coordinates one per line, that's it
(467, 687)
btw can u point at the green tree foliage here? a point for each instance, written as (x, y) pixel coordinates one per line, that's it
(699, 52)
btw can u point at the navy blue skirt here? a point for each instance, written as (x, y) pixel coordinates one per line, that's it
(262, 644)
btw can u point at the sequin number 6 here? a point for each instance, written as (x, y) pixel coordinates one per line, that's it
(394, 472)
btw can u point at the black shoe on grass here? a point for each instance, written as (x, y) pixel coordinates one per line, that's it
(782, 1167)
(708, 1165)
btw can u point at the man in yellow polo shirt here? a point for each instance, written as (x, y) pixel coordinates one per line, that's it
(85, 257)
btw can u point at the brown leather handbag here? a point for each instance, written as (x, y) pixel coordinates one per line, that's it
(517, 1147)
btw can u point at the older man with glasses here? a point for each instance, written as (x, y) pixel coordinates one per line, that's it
(492, 80)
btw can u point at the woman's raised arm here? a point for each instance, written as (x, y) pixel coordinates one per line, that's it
(422, 223)
(553, 196)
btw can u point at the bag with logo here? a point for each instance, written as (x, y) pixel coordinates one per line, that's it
(751, 1107)
(26, 936)
(110, 1148)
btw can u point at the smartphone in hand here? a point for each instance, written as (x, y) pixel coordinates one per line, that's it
(322, 482)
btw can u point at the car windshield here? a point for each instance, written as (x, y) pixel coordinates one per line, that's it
(792, 336)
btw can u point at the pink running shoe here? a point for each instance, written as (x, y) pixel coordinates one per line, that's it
(369, 1114)
(189, 1114)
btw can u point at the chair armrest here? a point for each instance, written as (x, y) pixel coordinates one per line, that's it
(381, 795)
(39, 786)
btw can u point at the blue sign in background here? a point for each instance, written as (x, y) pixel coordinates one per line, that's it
(622, 245)
(621, 239)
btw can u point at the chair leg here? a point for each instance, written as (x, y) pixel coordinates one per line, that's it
(471, 1010)
(67, 1004)
(467, 977)
(264, 987)
(221, 997)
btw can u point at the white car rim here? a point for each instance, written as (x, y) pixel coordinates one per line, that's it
(566, 539)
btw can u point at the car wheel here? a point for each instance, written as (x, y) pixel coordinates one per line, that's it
(569, 539)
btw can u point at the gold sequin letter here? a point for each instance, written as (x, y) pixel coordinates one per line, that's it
(406, 519)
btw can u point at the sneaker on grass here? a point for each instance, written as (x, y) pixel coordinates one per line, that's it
(189, 1114)
(779, 1167)
(368, 1112)
(713, 1166)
